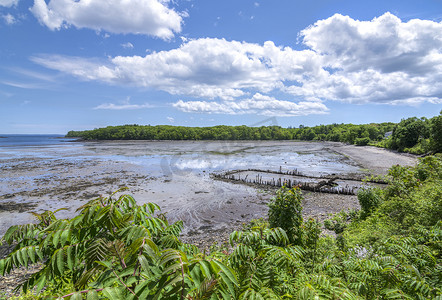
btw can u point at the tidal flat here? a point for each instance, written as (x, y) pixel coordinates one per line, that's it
(176, 176)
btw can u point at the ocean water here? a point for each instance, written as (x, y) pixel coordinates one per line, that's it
(23, 140)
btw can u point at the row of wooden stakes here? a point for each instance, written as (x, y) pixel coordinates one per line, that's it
(279, 182)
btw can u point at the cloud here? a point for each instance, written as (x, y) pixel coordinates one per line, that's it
(24, 85)
(206, 68)
(27, 79)
(148, 17)
(9, 19)
(86, 69)
(384, 44)
(8, 3)
(170, 119)
(33, 74)
(124, 105)
(112, 106)
(258, 104)
(384, 61)
(127, 45)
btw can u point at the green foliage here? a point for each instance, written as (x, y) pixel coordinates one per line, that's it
(417, 136)
(362, 141)
(408, 132)
(412, 197)
(369, 199)
(113, 249)
(116, 249)
(285, 211)
(339, 221)
(167, 132)
(423, 146)
(348, 133)
(436, 133)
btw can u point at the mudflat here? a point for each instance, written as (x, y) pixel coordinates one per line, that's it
(176, 175)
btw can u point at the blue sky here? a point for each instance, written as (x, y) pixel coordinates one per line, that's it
(76, 64)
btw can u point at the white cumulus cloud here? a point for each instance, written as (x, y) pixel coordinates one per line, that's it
(206, 68)
(9, 19)
(258, 104)
(8, 3)
(384, 60)
(149, 17)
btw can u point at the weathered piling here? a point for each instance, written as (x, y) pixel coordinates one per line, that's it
(322, 184)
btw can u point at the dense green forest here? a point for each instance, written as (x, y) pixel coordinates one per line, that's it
(413, 135)
(116, 249)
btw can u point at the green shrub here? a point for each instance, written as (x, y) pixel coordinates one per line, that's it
(429, 167)
(362, 141)
(436, 133)
(114, 249)
(422, 147)
(409, 131)
(385, 143)
(425, 206)
(369, 199)
(285, 211)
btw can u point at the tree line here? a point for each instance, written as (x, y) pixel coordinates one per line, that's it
(347, 133)
(415, 135)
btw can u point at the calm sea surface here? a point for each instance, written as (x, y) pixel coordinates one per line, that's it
(23, 140)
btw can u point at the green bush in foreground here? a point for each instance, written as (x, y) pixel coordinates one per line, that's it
(285, 211)
(116, 249)
(369, 199)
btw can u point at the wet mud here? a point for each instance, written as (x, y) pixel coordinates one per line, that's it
(176, 176)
